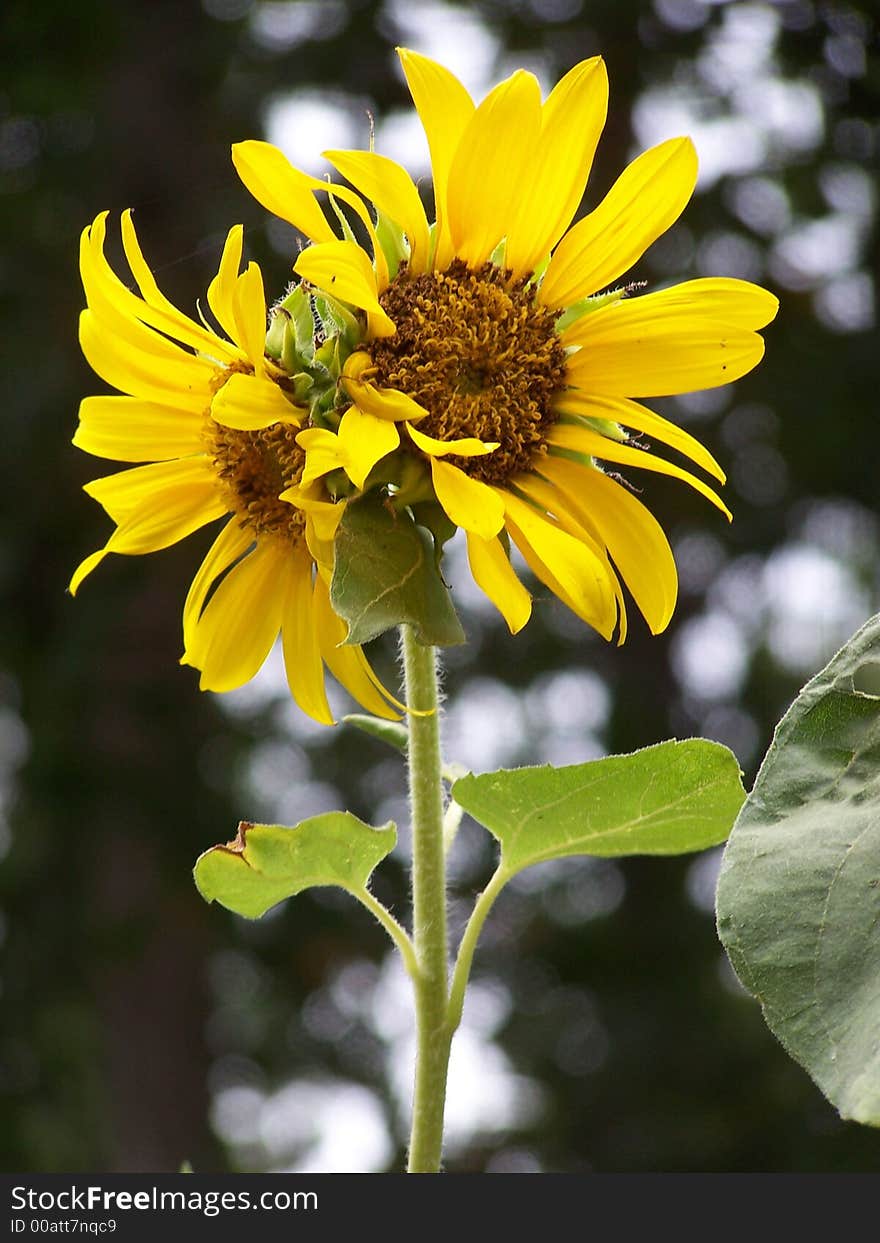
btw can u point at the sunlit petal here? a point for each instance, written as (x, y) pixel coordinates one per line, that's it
(491, 165)
(391, 189)
(445, 108)
(470, 504)
(249, 403)
(129, 430)
(344, 271)
(464, 446)
(235, 632)
(571, 122)
(299, 634)
(633, 536)
(494, 574)
(646, 199)
(588, 443)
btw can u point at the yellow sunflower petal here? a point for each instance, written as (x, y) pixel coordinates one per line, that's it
(121, 494)
(572, 120)
(390, 188)
(492, 163)
(548, 500)
(167, 519)
(347, 663)
(585, 441)
(364, 440)
(280, 188)
(726, 298)
(325, 516)
(383, 403)
(141, 272)
(289, 193)
(249, 303)
(128, 430)
(158, 520)
(468, 503)
(646, 199)
(299, 637)
(167, 375)
(680, 353)
(249, 402)
(235, 633)
(465, 446)
(640, 419)
(232, 542)
(344, 271)
(565, 564)
(113, 307)
(321, 551)
(445, 108)
(84, 569)
(153, 308)
(494, 574)
(324, 452)
(632, 534)
(722, 299)
(221, 291)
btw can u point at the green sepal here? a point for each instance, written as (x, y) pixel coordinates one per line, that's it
(497, 255)
(604, 427)
(572, 455)
(669, 799)
(432, 516)
(278, 320)
(385, 575)
(267, 863)
(298, 339)
(798, 899)
(578, 310)
(390, 732)
(392, 240)
(303, 388)
(338, 321)
(540, 268)
(347, 231)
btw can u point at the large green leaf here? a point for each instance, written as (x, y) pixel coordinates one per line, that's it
(799, 890)
(385, 574)
(268, 862)
(667, 799)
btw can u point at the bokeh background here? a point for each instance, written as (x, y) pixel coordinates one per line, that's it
(142, 1028)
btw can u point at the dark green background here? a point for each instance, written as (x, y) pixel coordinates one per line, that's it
(128, 1005)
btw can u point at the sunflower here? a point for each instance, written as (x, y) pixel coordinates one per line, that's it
(217, 421)
(492, 373)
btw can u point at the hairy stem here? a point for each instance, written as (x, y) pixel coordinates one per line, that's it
(434, 1035)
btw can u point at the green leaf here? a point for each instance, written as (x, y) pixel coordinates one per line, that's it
(799, 890)
(269, 862)
(385, 575)
(664, 800)
(391, 732)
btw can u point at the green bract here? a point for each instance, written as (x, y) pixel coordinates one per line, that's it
(385, 573)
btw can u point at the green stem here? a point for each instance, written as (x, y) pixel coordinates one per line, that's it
(468, 944)
(392, 927)
(429, 905)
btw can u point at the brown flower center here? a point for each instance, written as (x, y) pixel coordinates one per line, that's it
(254, 467)
(480, 356)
